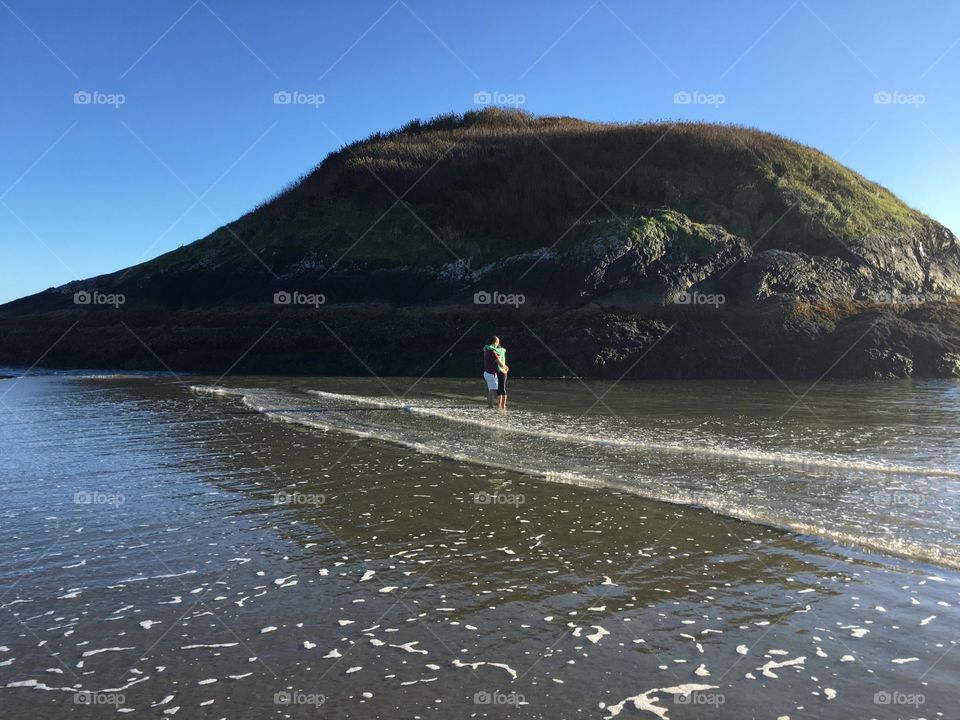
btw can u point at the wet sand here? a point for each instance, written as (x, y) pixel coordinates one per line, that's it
(258, 569)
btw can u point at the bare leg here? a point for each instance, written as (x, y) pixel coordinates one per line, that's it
(491, 398)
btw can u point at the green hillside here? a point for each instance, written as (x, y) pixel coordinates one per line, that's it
(493, 183)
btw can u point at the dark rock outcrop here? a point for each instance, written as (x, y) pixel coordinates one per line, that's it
(725, 252)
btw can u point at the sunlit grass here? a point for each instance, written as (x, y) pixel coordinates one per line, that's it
(493, 183)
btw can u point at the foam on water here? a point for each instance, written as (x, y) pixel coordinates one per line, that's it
(624, 462)
(803, 460)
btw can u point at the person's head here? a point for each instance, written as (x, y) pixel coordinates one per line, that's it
(495, 341)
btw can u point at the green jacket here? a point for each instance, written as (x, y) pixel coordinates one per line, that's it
(501, 353)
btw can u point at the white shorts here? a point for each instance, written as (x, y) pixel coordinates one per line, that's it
(491, 379)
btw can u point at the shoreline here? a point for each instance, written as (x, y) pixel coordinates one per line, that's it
(880, 548)
(385, 577)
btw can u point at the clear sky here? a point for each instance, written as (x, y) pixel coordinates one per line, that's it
(181, 132)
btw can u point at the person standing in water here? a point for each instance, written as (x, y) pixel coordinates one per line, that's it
(502, 371)
(492, 365)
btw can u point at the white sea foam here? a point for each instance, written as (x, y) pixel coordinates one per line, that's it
(89, 653)
(277, 406)
(807, 460)
(772, 665)
(474, 665)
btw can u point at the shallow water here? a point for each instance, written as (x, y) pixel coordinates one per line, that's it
(420, 556)
(860, 481)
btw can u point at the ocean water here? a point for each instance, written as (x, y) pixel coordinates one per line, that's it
(265, 547)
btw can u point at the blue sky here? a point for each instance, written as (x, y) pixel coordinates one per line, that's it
(181, 132)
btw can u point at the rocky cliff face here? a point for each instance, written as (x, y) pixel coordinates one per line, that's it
(726, 252)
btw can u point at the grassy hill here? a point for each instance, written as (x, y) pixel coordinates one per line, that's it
(790, 249)
(493, 183)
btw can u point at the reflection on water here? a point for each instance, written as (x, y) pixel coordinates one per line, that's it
(163, 549)
(853, 494)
